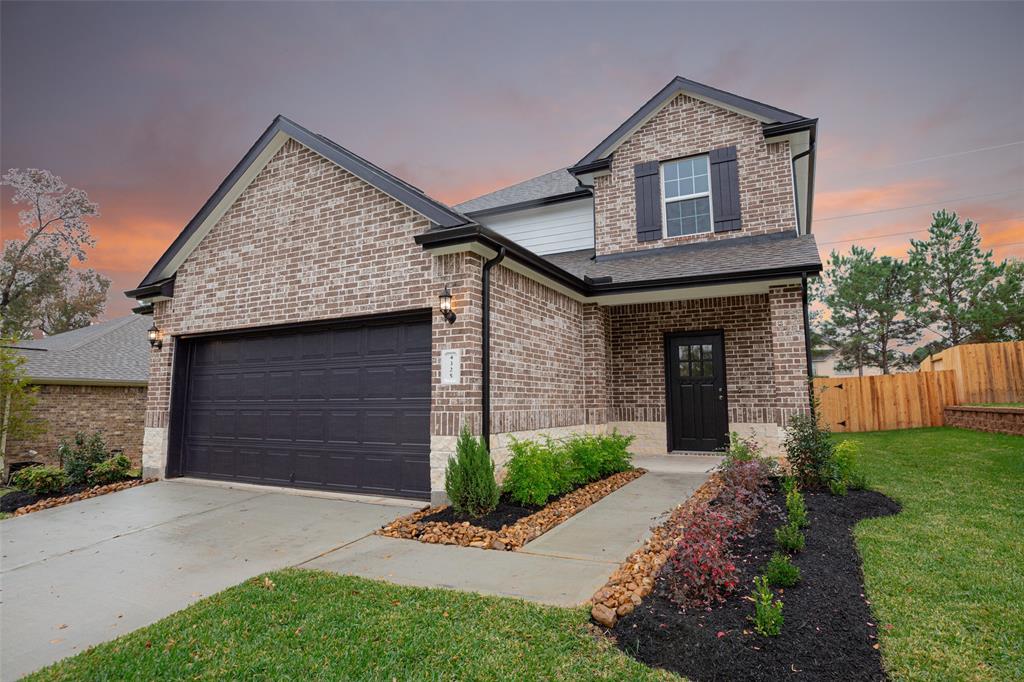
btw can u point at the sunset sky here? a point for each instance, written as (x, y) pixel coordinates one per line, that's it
(147, 106)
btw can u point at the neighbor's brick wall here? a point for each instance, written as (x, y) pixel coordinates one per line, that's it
(686, 127)
(638, 355)
(1008, 420)
(309, 241)
(117, 411)
(538, 370)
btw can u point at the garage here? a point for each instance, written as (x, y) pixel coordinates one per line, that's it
(342, 406)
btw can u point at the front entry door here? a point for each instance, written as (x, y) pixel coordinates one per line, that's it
(696, 392)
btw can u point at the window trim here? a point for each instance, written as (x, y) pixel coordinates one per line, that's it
(665, 201)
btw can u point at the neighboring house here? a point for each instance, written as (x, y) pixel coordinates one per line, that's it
(656, 287)
(89, 379)
(825, 360)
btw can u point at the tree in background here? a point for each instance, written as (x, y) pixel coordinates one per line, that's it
(873, 310)
(17, 398)
(955, 280)
(38, 289)
(1001, 315)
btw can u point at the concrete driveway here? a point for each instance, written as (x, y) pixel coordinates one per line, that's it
(87, 572)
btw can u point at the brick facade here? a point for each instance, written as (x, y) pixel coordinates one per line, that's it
(309, 241)
(686, 127)
(1008, 420)
(116, 411)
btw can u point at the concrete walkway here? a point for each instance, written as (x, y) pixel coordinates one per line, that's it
(564, 567)
(87, 572)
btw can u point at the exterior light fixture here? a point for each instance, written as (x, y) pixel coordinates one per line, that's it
(156, 337)
(445, 304)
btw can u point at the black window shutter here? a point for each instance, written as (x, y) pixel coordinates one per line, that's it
(648, 201)
(725, 189)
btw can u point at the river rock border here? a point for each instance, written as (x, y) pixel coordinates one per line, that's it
(509, 538)
(634, 579)
(95, 491)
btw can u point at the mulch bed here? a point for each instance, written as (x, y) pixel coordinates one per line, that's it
(828, 631)
(507, 528)
(21, 502)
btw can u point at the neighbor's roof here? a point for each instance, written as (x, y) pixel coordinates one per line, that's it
(739, 255)
(551, 184)
(114, 352)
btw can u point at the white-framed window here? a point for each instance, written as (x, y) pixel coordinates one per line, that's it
(686, 196)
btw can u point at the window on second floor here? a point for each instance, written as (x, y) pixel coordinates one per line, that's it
(686, 196)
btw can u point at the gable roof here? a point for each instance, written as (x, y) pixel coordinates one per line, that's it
(273, 138)
(554, 184)
(759, 110)
(115, 352)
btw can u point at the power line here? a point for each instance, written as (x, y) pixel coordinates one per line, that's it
(953, 154)
(901, 234)
(930, 203)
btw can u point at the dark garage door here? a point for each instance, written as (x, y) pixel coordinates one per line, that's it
(341, 407)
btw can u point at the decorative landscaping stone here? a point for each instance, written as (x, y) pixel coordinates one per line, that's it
(634, 579)
(512, 537)
(84, 495)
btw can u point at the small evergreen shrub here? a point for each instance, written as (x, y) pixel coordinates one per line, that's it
(41, 480)
(809, 450)
(789, 537)
(81, 455)
(767, 616)
(112, 470)
(796, 509)
(788, 485)
(837, 487)
(781, 572)
(536, 472)
(596, 456)
(699, 571)
(469, 480)
(858, 481)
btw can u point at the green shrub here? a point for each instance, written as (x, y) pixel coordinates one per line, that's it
(767, 616)
(594, 457)
(788, 484)
(837, 487)
(536, 472)
(781, 572)
(112, 470)
(81, 455)
(469, 479)
(858, 481)
(41, 480)
(796, 509)
(789, 537)
(743, 450)
(809, 450)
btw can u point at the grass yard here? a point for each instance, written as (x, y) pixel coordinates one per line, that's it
(321, 626)
(946, 576)
(995, 405)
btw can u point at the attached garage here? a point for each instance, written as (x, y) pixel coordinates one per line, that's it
(341, 406)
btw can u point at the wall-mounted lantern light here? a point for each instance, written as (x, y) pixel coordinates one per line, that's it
(445, 304)
(156, 337)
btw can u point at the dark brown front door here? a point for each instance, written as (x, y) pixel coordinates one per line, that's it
(342, 406)
(696, 392)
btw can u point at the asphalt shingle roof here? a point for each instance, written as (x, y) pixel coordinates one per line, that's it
(737, 255)
(543, 186)
(113, 352)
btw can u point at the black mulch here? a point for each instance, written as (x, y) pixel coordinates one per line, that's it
(505, 514)
(828, 631)
(16, 499)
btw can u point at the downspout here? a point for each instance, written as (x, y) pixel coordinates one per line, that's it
(485, 336)
(807, 340)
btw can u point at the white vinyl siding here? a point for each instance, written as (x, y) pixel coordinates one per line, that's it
(568, 226)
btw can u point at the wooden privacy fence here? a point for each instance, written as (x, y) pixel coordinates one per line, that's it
(985, 372)
(886, 402)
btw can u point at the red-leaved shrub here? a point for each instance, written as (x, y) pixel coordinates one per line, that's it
(699, 571)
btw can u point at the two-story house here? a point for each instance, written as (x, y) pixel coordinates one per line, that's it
(321, 323)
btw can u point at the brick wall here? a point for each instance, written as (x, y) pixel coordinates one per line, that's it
(789, 353)
(117, 411)
(991, 419)
(308, 241)
(686, 127)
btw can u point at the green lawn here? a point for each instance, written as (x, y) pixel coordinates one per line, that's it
(946, 576)
(995, 405)
(320, 626)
